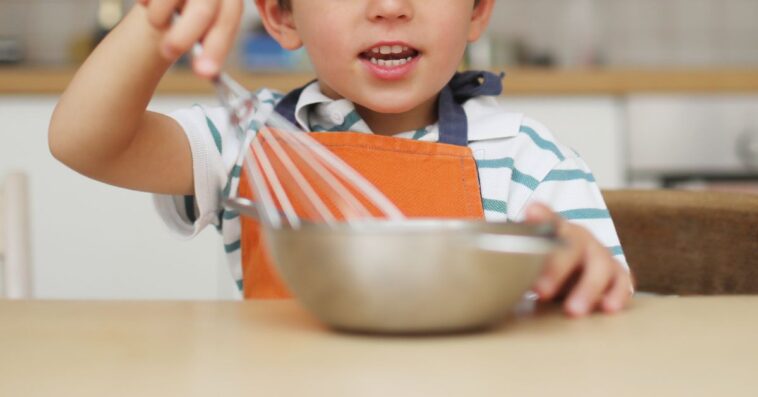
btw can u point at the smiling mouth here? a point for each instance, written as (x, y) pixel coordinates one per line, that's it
(390, 55)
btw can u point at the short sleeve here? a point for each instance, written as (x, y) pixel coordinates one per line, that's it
(215, 148)
(571, 191)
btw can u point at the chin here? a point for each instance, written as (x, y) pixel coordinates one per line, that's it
(387, 108)
(391, 104)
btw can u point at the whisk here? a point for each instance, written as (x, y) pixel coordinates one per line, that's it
(292, 171)
(295, 178)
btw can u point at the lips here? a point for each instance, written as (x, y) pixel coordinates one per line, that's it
(390, 60)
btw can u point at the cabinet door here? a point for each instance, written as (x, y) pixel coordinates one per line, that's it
(593, 126)
(689, 133)
(90, 240)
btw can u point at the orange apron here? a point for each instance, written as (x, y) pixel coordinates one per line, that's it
(423, 179)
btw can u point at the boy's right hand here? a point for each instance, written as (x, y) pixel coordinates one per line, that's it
(214, 23)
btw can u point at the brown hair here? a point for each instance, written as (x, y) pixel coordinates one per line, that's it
(287, 5)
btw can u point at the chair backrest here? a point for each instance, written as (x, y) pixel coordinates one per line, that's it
(15, 250)
(688, 242)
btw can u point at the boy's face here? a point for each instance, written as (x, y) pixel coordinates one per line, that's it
(348, 42)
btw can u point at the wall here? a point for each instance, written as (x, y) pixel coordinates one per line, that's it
(50, 30)
(636, 32)
(47, 29)
(624, 32)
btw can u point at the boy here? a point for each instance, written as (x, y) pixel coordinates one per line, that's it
(385, 68)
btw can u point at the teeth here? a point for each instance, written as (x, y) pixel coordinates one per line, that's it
(386, 49)
(390, 63)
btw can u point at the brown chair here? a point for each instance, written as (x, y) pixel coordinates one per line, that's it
(688, 242)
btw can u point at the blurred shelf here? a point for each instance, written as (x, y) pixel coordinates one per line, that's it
(26, 80)
(18, 80)
(630, 81)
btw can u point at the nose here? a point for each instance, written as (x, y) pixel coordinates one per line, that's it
(390, 10)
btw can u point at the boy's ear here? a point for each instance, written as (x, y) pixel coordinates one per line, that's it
(480, 19)
(279, 24)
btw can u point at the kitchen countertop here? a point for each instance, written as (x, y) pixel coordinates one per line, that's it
(25, 80)
(660, 346)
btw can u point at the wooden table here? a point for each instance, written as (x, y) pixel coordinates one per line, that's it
(659, 347)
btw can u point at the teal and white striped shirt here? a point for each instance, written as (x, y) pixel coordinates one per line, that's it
(518, 160)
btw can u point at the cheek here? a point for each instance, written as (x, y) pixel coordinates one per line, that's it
(326, 43)
(457, 30)
(448, 30)
(328, 64)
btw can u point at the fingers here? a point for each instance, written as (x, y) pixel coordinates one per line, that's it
(160, 12)
(602, 282)
(620, 293)
(197, 18)
(541, 213)
(597, 274)
(562, 263)
(219, 39)
(214, 22)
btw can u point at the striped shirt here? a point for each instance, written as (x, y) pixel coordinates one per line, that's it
(518, 160)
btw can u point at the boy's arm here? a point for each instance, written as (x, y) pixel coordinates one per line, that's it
(100, 126)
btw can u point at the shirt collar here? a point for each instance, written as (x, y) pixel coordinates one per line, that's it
(317, 112)
(310, 96)
(486, 117)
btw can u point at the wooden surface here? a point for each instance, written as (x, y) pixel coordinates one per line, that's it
(18, 80)
(659, 347)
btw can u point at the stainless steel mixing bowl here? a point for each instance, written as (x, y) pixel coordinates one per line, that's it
(415, 276)
(410, 276)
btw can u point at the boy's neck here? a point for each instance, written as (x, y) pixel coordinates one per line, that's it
(394, 123)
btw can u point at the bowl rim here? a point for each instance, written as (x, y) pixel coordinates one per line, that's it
(426, 225)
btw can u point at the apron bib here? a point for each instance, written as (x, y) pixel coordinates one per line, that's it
(423, 179)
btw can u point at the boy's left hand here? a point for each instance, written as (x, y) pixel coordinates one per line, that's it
(583, 268)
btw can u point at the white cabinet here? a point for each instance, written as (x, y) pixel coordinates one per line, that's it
(688, 133)
(90, 240)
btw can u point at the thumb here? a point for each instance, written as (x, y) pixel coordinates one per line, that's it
(538, 213)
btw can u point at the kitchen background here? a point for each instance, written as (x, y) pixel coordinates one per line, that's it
(570, 32)
(94, 241)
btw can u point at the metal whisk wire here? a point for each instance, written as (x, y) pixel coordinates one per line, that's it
(298, 154)
(332, 175)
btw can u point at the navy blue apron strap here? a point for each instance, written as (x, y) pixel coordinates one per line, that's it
(467, 85)
(453, 122)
